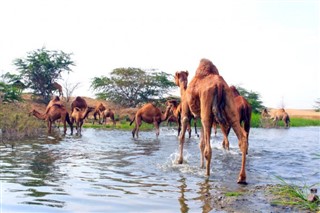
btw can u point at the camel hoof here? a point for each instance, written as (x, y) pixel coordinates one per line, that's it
(180, 161)
(242, 181)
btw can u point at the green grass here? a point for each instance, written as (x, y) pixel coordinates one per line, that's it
(233, 194)
(293, 195)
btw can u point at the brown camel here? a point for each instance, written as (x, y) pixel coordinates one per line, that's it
(78, 115)
(244, 110)
(149, 114)
(98, 112)
(58, 87)
(55, 112)
(54, 100)
(181, 80)
(108, 113)
(265, 114)
(80, 103)
(279, 115)
(209, 97)
(176, 113)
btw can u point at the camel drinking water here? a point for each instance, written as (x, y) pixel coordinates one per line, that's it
(209, 97)
(55, 112)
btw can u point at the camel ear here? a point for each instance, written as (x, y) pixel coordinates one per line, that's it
(177, 73)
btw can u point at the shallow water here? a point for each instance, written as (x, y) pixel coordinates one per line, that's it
(109, 171)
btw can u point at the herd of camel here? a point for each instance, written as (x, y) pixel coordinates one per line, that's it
(207, 97)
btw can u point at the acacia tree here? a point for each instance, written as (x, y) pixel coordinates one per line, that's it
(132, 86)
(41, 68)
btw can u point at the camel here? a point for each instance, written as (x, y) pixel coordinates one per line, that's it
(80, 103)
(149, 113)
(265, 114)
(55, 112)
(108, 113)
(58, 87)
(176, 113)
(244, 110)
(278, 115)
(79, 111)
(78, 115)
(209, 97)
(54, 100)
(181, 80)
(98, 112)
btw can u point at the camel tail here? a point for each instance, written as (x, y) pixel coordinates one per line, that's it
(218, 105)
(245, 116)
(134, 118)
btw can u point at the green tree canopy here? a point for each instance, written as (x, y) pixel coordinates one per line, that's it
(41, 68)
(253, 98)
(11, 87)
(132, 86)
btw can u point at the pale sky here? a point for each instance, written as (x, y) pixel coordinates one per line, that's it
(268, 46)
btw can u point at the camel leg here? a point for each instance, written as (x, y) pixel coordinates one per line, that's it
(234, 121)
(156, 125)
(64, 126)
(184, 123)
(201, 146)
(206, 121)
(189, 128)
(225, 129)
(49, 126)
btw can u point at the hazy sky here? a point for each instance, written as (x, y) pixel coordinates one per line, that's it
(271, 47)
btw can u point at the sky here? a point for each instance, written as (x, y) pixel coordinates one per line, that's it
(271, 47)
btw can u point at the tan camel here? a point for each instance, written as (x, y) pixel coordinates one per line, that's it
(244, 110)
(181, 80)
(98, 112)
(149, 114)
(58, 87)
(78, 115)
(209, 97)
(108, 113)
(54, 100)
(279, 115)
(265, 114)
(55, 112)
(176, 113)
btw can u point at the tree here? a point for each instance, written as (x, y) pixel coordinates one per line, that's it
(69, 89)
(41, 68)
(253, 98)
(11, 88)
(317, 105)
(132, 86)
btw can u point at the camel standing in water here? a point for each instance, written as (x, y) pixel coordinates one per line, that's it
(55, 112)
(108, 113)
(78, 115)
(58, 87)
(149, 114)
(79, 112)
(98, 112)
(244, 110)
(181, 80)
(209, 97)
(279, 115)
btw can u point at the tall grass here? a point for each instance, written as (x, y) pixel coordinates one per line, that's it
(15, 122)
(293, 195)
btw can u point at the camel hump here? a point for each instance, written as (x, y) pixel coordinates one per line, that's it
(234, 91)
(206, 67)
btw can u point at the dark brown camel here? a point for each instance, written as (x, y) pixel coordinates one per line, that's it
(209, 97)
(149, 114)
(80, 103)
(55, 112)
(98, 112)
(181, 80)
(108, 113)
(244, 110)
(58, 87)
(78, 115)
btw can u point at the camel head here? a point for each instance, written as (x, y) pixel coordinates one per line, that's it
(181, 79)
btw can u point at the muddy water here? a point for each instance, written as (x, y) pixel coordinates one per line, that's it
(108, 171)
